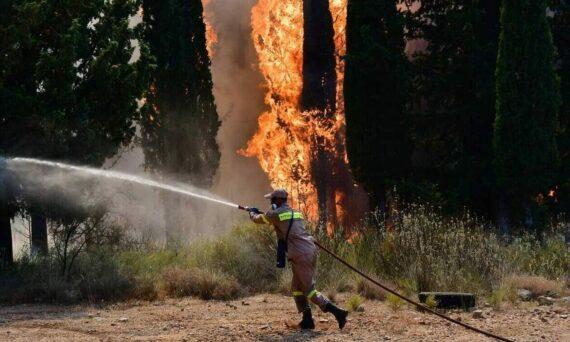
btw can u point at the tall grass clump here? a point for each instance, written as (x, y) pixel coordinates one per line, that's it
(425, 251)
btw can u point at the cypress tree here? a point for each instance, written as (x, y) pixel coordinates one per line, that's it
(375, 91)
(528, 100)
(179, 120)
(454, 100)
(560, 22)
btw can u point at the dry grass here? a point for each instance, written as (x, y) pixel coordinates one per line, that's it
(181, 282)
(539, 286)
(369, 290)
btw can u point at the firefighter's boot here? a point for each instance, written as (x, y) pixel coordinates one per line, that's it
(338, 313)
(307, 322)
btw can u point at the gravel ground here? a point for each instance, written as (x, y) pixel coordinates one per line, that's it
(267, 318)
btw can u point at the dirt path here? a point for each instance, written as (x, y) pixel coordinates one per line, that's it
(264, 318)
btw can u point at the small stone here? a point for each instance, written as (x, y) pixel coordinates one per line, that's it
(565, 299)
(563, 316)
(458, 318)
(181, 309)
(113, 324)
(123, 319)
(164, 328)
(552, 294)
(524, 295)
(478, 314)
(543, 319)
(360, 308)
(422, 323)
(545, 301)
(267, 326)
(90, 316)
(244, 303)
(387, 338)
(323, 320)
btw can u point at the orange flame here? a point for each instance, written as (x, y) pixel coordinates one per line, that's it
(286, 137)
(211, 35)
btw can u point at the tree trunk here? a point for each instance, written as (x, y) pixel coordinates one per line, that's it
(39, 233)
(319, 95)
(6, 253)
(503, 220)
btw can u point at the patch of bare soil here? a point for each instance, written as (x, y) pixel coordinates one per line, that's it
(267, 318)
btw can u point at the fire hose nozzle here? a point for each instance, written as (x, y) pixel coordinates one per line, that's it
(250, 209)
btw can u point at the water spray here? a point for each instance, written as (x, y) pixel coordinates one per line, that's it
(117, 176)
(181, 190)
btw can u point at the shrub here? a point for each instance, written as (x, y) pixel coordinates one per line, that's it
(431, 302)
(538, 285)
(354, 302)
(369, 290)
(179, 282)
(394, 302)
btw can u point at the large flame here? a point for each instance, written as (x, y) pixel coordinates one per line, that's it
(286, 137)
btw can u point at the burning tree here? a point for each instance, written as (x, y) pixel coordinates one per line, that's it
(300, 139)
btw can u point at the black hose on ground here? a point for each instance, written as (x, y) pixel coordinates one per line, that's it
(420, 306)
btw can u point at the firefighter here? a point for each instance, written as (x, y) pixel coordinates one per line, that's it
(301, 253)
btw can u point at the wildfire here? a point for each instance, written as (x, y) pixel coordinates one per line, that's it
(286, 137)
(211, 36)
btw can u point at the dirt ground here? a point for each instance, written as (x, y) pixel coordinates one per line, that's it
(267, 318)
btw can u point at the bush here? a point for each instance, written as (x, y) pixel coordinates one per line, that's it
(370, 291)
(179, 282)
(394, 302)
(354, 302)
(424, 252)
(538, 285)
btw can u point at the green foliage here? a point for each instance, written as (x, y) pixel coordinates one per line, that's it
(452, 108)
(179, 119)
(394, 302)
(424, 252)
(431, 302)
(560, 24)
(354, 302)
(67, 86)
(375, 91)
(503, 293)
(528, 102)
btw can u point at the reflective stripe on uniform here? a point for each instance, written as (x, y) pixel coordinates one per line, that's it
(264, 218)
(287, 216)
(298, 293)
(311, 294)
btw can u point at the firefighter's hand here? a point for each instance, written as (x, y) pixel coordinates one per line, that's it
(252, 215)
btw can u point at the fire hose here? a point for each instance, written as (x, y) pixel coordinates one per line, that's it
(387, 289)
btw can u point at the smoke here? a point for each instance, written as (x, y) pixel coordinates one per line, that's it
(239, 100)
(239, 97)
